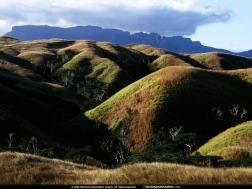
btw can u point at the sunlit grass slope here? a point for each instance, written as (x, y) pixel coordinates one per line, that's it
(234, 143)
(29, 169)
(171, 97)
(221, 61)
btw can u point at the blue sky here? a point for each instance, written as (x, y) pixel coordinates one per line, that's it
(218, 23)
(235, 34)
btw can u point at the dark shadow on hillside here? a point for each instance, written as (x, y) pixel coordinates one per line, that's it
(135, 64)
(34, 101)
(59, 44)
(15, 60)
(194, 106)
(189, 60)
(81, 131)
(230, 62)
(13, 123)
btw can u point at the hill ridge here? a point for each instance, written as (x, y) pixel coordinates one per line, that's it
(38, 170)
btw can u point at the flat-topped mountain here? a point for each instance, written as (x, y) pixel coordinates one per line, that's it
(177, 44)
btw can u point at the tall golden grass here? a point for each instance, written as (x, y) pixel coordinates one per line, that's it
(17, 168)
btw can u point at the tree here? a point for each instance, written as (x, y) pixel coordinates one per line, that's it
(174, 132)
(189, 147)
(237, 111)
(120, 154)
(68, 78)
(244, 112)
(99, 95)
(93, 92)
(217, 111)
(234, 110)
(65, 58)
(52, 66)
(34, 145)
(10, 140)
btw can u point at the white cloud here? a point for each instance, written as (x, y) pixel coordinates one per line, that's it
(170, 17)
(137, 4)
(3, 22)
(103, 5)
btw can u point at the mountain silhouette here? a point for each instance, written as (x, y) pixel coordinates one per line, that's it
(177, 44)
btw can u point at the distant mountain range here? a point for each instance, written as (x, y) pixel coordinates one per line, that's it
(177, 44)
(246, 53)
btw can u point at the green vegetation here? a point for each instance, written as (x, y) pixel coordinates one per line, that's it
(93, 79)
(234, 143)
(204, 99)
(221, 61)
(78, 100)
(167, 60)
(7, 40)
(148, 50)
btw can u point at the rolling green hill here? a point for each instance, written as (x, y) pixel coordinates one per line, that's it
(45, 83)
(198, 100)
(7, 40)
(222, 61)
(148, 50)
(100, 68)
(214, 61)
(234, 143)
(132, 96)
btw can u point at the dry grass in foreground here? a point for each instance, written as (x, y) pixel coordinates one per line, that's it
(17, 168)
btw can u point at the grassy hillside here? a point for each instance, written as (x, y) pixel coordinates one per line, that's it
(28, 169)
(221, 61)
(215, 61)
(244, 74)
(198, 100)
(139, 95)
(44, 110)
(234, 143)
(100, 68)
(38, 58)
(168, 60)
(173, 59)
(7, 40)
(17, 67)
(28, 105)
(94, 70)
(148, 50)
(43, 81)
(159, 58)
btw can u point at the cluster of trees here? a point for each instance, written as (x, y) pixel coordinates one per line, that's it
(236, 111)
(116, 150)
(92, 93)
(173, 145)
(107, 148)
(90, 90)
(50, 67)
(45, 148)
